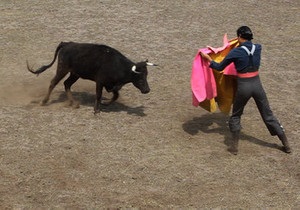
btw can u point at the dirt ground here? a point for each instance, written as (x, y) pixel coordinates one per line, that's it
(153, 151)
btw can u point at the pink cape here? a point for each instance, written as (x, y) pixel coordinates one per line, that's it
(203, 83)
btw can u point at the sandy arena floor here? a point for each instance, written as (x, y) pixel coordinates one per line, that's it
(153, 151)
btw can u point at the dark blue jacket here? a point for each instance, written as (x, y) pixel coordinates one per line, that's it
(240, 58)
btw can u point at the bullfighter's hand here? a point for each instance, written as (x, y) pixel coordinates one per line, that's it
(206, 56)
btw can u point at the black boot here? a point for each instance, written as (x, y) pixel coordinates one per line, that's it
(235, 142)
(285, 143)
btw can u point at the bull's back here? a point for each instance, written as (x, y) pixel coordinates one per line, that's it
(91, 60)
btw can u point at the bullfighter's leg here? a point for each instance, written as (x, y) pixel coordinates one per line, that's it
(68, 83)
(56, 79)
(99, 88)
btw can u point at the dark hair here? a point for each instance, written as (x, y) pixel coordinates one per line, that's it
(245, 32)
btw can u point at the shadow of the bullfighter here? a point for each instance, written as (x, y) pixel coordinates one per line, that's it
(218, 123)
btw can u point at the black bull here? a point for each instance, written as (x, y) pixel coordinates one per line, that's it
(100, 63)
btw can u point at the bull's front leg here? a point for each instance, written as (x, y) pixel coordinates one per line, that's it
(115, 96)
(99, 88)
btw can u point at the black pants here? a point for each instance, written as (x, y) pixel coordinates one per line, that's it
(247, 88)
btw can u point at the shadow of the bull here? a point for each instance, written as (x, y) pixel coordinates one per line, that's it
(88, 99)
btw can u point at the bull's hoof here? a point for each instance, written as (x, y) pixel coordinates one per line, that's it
(287, 149)
(105, 103)
(76, 105)
(96, 112)
(69, 103)
(233, 150)
(43, 102)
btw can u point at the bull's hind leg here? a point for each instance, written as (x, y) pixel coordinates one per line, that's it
(59, 75)
(68, 83)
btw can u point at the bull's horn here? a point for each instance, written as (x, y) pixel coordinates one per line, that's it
(134, 69)
(150, 64)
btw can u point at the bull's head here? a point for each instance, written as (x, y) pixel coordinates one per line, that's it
(140, 76)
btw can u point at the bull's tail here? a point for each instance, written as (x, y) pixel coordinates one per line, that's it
(43, 68)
